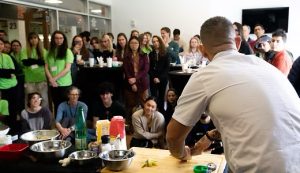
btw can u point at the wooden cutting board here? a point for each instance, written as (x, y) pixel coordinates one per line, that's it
(168, 164)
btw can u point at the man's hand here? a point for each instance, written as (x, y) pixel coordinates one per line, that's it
(187, 154)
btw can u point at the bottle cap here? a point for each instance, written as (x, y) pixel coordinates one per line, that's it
(105, 139)
(200, 169)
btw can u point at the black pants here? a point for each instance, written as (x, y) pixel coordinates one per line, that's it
(141, 143)
(58, 95)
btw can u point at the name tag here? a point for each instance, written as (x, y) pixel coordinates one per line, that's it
(54, 68)
(34, 66)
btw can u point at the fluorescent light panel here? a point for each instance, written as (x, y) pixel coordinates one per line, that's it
(96, 11)
(54, 1)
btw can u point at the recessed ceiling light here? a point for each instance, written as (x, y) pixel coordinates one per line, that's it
(96, 11)
(54, 1)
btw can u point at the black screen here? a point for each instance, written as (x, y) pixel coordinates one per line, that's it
(270, 18)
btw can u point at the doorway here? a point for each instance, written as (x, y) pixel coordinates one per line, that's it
(19, 20)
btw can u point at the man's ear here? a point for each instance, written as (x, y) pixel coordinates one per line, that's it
(238, 41)
(203, 50)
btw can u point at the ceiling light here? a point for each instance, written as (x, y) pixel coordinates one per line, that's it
(96, 11)
(54, 1)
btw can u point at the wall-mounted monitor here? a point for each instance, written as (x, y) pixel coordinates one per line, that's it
(270, 18)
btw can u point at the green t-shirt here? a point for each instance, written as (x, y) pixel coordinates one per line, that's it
(7, 63)
(57, 65)
(34, 73)
(4, 108)
(146, 50)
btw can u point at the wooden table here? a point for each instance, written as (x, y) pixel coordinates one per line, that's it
(168, 164)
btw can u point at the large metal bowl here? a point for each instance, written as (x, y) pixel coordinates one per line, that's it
(51, 149)
(39, 135)
(83, 157)
(117, 160)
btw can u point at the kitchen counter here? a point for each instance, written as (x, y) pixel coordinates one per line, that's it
(166, 163)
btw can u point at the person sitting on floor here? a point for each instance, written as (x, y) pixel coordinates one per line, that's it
(66, 113)
(35, 117)
(148, 125)
(107, 107)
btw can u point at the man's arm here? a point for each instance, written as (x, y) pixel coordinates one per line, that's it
(176, 134)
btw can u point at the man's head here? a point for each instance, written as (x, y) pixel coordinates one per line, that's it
(246, 31)
(85, 36)
(259, 30)
(263, 44)
(165, 32)
(176, 34)
(3, 34)
(106, 91)
(278, 40)
(217, 34)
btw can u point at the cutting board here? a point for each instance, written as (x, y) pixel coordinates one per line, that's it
(168, 164)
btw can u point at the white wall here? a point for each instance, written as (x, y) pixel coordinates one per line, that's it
(188, 15)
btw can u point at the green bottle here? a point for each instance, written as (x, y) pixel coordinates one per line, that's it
(80, 130)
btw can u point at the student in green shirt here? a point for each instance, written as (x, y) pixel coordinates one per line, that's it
(33, 58)
(58, 66)
(15, 55)
(8, 83)
(145, 44)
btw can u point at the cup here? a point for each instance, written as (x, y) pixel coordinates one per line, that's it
(184, 67)
(92, 62)
(109, 62)
(203, 63)
(78, 57)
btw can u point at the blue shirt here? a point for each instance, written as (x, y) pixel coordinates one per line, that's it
(67, 111)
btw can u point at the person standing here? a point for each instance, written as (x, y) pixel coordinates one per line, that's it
(171, 46)
(33, 59)
(136, 67)
(254, 107)
(158, 72)
(8, 82)
(57, 67)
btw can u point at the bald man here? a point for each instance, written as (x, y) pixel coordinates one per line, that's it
(255, 109)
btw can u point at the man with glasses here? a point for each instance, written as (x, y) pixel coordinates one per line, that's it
(66, 113)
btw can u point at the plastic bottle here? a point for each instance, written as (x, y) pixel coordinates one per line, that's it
(105, 146)
(80, 130)
(117, 133)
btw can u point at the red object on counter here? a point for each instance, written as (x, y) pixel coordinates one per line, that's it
(12, 151)
(117, 127)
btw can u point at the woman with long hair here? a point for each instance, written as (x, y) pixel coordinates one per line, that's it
(159, 68)
(121, 46)
(58, 67)
(136, 67)
(106, 47)
(81, 54)
(33, 58)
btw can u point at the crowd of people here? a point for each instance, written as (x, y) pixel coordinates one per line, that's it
(38, 89)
